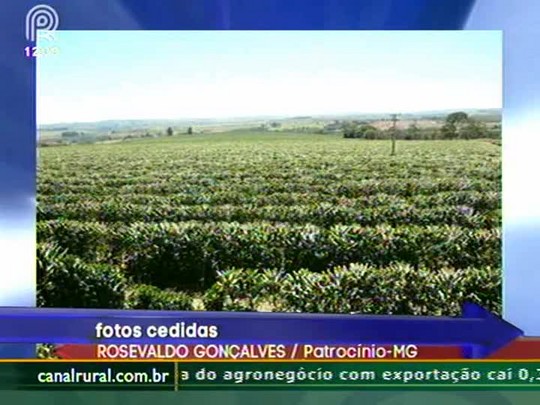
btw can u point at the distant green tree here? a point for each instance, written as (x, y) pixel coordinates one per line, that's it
(349, 130)
(448, 131)
(190, 131)
(369, 132)
(355, 129)
(457, 117)
(70, 134)
(454, 125)
(474, 129)
(495, 131)
(412, 131)
(170, 131)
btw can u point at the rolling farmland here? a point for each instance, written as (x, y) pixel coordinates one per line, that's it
(271, 222)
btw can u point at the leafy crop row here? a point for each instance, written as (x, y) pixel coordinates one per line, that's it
(395, 289)
(319, 214)
(484, 200)
(66, 281)
(349, 189)
(184, 254)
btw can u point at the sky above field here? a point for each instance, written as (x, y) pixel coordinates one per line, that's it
(197, 74)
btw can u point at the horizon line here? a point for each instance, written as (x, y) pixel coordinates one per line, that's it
(262, 116)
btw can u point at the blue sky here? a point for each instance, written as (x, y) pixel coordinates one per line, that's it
(213, 74)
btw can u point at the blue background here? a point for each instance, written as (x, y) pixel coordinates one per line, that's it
(518, 18)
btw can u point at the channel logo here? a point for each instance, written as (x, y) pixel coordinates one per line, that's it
(43, 18)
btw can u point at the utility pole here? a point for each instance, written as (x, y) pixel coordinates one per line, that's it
(394, 131)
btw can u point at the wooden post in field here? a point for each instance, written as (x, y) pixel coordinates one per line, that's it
(394, 130)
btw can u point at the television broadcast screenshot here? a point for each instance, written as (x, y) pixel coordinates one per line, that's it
(282, 201)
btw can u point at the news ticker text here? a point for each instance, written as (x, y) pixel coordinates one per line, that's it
(267, 375)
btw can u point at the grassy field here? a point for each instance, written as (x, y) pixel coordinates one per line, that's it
(270, 222)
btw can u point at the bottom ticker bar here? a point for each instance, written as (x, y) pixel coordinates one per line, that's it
(177, 376)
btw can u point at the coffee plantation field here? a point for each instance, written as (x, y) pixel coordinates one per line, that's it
(271, 222)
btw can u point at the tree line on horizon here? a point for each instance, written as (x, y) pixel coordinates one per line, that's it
(457, 125)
